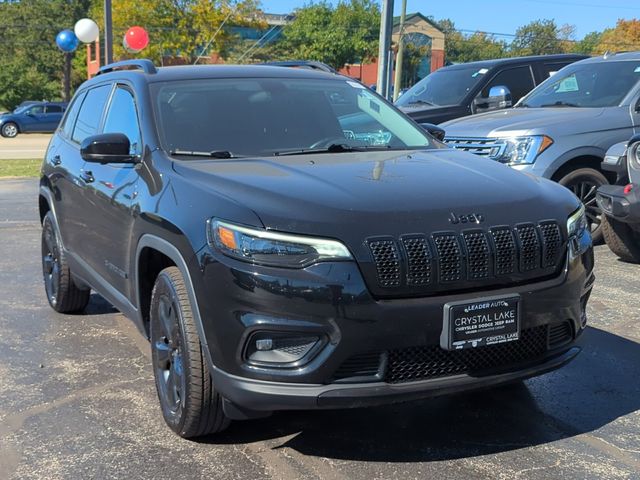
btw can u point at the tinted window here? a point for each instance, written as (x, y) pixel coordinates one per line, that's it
(590, 84)
(265, 116)
(90, 113)
(518, 80)
(446, 86)
(54, 109)
(123, 118)
(550, 69)
(70, 118)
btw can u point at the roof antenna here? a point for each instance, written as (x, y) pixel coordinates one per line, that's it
(606, 55)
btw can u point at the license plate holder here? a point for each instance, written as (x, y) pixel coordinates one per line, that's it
(481, 322)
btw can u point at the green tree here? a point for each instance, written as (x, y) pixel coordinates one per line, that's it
(336, 35)
(588, 44)
(468, 48)
(31, 66)
(542, 37)
(183, 29)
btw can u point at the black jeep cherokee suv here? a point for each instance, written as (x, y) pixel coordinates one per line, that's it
(287, 239)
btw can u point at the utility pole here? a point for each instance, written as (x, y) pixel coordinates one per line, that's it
(400, 55)
(108, 33)
(386, 26)
(66, 81)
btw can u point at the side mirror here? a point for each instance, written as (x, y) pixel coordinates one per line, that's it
(434, 130)
(107, 148)
(499, 98)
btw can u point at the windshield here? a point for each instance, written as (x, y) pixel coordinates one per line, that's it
(271, 116)
(602, 84)
(21, 109)
(443, 87)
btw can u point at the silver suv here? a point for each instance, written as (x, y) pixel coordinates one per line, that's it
(562, 129)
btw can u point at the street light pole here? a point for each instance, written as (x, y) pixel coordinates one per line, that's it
(400, 55)
(386, 26)
(108, 33)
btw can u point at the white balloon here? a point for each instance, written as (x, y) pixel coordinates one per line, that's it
(86, 30)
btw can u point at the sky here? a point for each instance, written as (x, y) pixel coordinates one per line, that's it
(505, 16)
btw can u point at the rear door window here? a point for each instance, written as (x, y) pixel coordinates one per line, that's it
(90, 113)
(518, 80)
(70, 118)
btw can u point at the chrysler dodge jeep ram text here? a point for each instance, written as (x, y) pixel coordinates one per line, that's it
(287, 239)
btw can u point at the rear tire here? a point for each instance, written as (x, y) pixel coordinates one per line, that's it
(621, 239)
(584, 183)
(9, 130)
(190, 404)
(63, 294)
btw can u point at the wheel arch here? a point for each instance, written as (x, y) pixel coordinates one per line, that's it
(164, 254)
(586, 157)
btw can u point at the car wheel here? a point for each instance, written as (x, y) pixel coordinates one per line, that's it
(9, 130)
(190, 405)
(621, 239)
(63, 294)
(584, 183)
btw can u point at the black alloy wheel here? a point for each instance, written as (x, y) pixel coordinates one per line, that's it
(63, 294)
(190, 404)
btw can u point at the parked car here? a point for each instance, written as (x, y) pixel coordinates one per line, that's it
(468, 88)
(620, 202)
(563, 128)
(32, 117)
(278, 260)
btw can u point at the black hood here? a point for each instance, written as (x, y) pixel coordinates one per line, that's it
(434, 114)
(351, 196)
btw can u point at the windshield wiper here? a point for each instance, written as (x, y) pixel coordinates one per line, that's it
(559, 103)
(333, 148)
(213, 154)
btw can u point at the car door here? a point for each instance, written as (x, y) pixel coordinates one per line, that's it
(53, 115)
(111, 191)
(32, 118)
(83, 120)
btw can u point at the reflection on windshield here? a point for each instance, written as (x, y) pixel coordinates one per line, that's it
(443, 87)
(271, 116)
(603, 84)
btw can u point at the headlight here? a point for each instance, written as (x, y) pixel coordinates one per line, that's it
(519, 150)
(633, 155)
(577, 222)
(271, 248)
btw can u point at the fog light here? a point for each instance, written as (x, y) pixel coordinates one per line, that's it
(279, 348)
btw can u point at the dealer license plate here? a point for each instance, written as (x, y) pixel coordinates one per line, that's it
(481, 322)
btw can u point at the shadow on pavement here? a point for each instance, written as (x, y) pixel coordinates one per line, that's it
(598, 387)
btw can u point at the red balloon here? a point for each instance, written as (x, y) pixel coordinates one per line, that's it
(136, 38)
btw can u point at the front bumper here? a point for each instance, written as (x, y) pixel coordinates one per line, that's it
(259, 395)
(618, 205)
(331, 299)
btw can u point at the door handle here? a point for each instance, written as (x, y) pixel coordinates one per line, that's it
(87, 176)
(56, 160)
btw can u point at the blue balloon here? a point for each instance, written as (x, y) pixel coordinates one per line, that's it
(67, 41)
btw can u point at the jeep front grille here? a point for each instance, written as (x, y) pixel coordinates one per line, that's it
(449, 261)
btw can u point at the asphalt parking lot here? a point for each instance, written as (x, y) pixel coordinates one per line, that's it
(31, 145)
(77, 400)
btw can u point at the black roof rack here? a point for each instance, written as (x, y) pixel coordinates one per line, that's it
(143, 64)
(310, 64)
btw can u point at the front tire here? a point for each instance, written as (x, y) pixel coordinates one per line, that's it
(584, 183)
(190, 405)
(9, 130)
(63, 294)
(621, 239)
